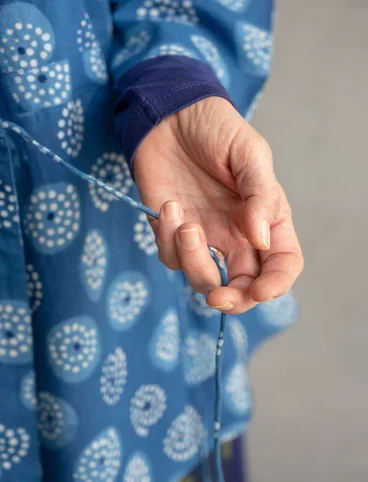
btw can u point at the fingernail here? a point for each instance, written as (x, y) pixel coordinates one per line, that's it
(189, 238)
(171, 211)
(269, 299)
(226, 307)
(265, 234)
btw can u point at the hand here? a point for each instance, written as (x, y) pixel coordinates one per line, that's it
(210, 176)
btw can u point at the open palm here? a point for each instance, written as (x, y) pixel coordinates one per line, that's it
(211, 177)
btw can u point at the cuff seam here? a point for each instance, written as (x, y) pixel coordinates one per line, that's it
(151, 103)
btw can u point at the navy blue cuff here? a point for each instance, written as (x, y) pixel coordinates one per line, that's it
(155, 89)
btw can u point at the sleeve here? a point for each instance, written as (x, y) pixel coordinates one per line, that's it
(168, 54)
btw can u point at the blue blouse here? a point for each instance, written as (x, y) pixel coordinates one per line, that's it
(106, 357)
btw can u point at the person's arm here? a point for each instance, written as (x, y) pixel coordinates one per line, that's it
(198, 49)
(196, 160)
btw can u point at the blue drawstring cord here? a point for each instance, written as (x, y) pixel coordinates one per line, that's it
(222, 269)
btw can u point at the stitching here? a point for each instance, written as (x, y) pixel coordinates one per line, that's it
(146, 102)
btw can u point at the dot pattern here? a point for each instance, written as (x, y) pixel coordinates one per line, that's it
(100, 460)
(197, 303)
(234, 5)
(237, 390)
(144, 236)
(74, 348)
(165, 344)
(127, 299)
(93, 264)
(171, 49)
(35, 287)
(112, 169)
(57, 421)
(52, 218)
(93, 58)
(114, 376)
(256, 48)
(26, 37)
(46, 86)
(14, 446)
(28, 390)
(15, 332)
(9, 218)
(185, 436)
(280, 312)
(239, 338)
(146, 408)
(138, 469)
(71, 128)
(174, 11)
(212, 57)
(199, 358)
(136, 42)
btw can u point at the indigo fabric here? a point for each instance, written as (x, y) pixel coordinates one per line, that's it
(106, 357)
(153, 90)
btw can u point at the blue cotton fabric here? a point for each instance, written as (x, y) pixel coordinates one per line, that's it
(106, 357)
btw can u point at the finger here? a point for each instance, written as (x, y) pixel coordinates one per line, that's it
(281, 265)
(195, 259)
(252, 166)
(243, 268)
(171, 216)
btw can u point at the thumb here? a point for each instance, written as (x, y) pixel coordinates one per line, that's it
(252, 167)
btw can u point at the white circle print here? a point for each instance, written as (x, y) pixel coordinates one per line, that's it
(185, 436)
(174, 11)
(138, 469)
(171, 49)
(127, 299)
(144, 236)
(9, 217)
(100, 460)
(146, 408)
(57, 421)
(164, 347)
(93, 264)
(112, 169)
(14, 446)
(114, 376)
(26, 37)
(238, 396)
(74, 349)
(234, 5)
(93, 58)
(16, 340)
(199, 357)
(28, 390)
(280, 312)
(212, 57)
(254, 48)
(41, 87)
(52, 217)
(35, 288)
(239, 338)
(197, 303)
(71, 128)
(137, 40)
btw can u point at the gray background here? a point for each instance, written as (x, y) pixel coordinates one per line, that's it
(311, 383)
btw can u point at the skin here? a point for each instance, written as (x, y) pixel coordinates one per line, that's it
(210, 176)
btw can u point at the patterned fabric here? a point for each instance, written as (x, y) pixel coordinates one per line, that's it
(106, 357)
